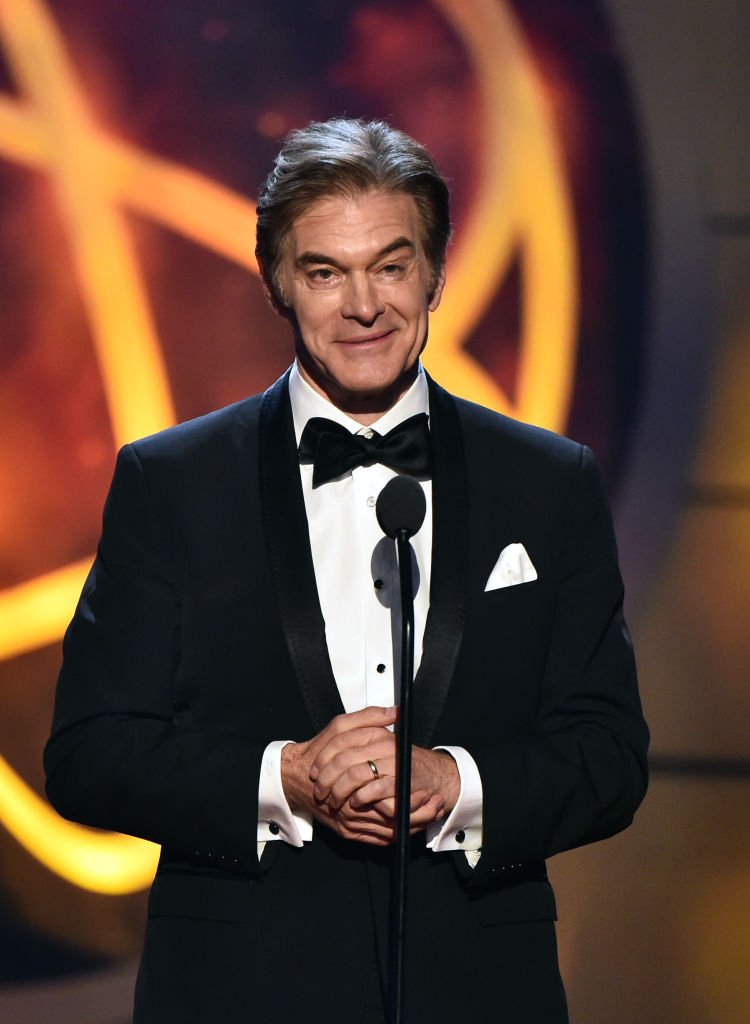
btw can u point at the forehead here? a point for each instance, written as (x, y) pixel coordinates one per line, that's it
(344, 226)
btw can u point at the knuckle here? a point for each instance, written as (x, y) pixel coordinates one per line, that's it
(335, 798)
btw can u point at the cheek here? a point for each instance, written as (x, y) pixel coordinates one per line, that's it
(411, 301)
(416, 315)
(315, 316)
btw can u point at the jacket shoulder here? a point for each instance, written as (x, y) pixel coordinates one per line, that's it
(210, 433)
(494, 433)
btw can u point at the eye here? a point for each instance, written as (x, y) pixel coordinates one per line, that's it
(322, 274)
(391, 269)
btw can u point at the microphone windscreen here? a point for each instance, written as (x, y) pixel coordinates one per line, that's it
(401, 506)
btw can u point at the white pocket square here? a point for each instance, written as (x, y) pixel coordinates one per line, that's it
(512, 567)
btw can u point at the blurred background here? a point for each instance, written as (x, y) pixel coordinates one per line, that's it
(599, 284)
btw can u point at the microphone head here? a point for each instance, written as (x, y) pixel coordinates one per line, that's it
(401, 506)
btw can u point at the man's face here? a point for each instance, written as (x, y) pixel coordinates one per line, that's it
(354, 274)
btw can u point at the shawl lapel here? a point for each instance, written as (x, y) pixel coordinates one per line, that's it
(448, 584)
(288, 544)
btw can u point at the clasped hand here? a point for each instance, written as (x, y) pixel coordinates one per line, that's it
(330, 777)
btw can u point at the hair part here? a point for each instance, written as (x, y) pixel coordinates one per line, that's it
(348, 157)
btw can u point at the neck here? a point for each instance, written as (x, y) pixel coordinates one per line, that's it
(366, 406)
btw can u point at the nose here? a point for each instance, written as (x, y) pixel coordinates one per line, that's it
(361, 300)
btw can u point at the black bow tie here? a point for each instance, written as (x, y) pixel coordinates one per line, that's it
(334, 450)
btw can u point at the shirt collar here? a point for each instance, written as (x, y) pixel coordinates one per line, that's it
(306, 403)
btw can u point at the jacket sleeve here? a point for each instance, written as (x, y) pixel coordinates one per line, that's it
(119, 757)
(580, 773)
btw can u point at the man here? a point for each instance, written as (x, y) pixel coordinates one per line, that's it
(228, 681)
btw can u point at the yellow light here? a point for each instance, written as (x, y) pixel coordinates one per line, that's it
(98, 861)
(133, 373)
(36, 613)
(521, 199)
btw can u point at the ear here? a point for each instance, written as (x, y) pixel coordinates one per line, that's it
(437, 291)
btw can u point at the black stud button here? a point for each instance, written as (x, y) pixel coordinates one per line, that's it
(381, 667)
(273, 828)
(460, 836)
(378, 584)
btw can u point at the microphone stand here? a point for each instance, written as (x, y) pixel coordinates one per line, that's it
(401, 510)
(399, 872)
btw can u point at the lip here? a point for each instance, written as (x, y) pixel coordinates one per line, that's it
(365, 339)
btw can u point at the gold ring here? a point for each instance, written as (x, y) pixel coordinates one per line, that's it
(373, 768)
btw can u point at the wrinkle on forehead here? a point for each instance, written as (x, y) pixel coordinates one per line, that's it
(356, 227)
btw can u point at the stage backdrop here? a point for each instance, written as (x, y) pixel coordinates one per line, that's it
(133, 138)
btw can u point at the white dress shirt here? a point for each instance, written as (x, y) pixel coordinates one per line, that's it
(357, 580)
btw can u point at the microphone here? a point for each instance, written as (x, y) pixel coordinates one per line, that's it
(401, 507)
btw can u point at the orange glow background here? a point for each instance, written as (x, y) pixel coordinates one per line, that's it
(133, 137)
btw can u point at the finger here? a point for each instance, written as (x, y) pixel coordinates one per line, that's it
(356, 762)
(349, 742)
(373, 824)
(367, 817)
(361, 790)
(358, 777)
(349, 824)
(352, 823)
(428, 813)
(387, 806)
(354, 748)
(362, 835)
(373, 716)
(353, 827)
(383, 798)
(354, 830)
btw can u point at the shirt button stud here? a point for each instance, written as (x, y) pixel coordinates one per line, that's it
(378, 584)
(381, 667)
(460, 836)
(273, 828)
(371, 502)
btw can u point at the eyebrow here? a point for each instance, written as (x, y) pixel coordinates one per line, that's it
(307, 259)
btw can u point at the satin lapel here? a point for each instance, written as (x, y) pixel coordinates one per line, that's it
(288, 543)
(448, 585)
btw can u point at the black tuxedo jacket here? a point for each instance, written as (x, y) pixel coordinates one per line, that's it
(199, 638)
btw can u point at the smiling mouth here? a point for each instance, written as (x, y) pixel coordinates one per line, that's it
(367, 338)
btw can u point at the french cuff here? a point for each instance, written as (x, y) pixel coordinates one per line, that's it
(462, 829)
(276, 820)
